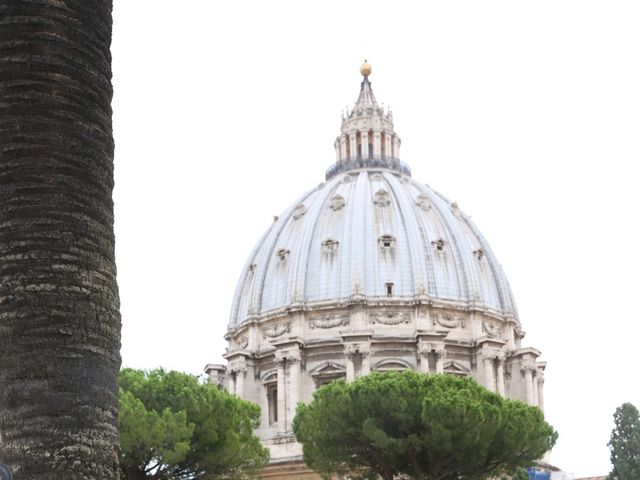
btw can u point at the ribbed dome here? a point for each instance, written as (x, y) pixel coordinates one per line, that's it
(367, 235)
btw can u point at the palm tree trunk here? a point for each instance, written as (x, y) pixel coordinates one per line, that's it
(59, 306)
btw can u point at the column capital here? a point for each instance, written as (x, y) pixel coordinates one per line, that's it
(528, 367)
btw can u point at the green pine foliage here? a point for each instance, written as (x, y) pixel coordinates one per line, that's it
(173, 427)
(625, 443)
(429, 427)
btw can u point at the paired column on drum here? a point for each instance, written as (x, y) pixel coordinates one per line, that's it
(237, 374)
(358, 362)
(288, 368)
(431, 357)
(493, 364)
(528, 369)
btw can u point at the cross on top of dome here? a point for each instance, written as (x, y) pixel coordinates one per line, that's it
(367, 138)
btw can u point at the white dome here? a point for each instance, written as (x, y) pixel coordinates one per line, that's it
(366, 235)
(368, 271)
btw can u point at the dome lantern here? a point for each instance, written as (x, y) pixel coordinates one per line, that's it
(367, 137)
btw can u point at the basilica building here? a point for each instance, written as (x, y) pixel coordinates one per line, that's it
(370, 270)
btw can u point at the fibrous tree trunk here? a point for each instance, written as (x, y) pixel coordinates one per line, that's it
(59, 307)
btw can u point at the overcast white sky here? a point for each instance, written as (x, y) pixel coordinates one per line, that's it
(525, 113)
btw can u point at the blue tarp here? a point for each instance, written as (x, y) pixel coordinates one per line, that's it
(538, 475)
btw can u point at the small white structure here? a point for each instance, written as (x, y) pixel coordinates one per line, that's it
(371, 270)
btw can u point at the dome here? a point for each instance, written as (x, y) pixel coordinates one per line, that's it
(369, 271)
(371, 233)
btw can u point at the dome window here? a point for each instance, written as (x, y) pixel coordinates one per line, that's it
(252, 268)
(439, 244)
(381, 198)
(479, 254)
(299, 211)
(387, 243)
(282, 254)
(337, 203)
(388, 287)
(423, 202)
(329, 246)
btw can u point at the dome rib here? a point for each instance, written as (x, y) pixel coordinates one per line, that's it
(309, 241)
(411, 232)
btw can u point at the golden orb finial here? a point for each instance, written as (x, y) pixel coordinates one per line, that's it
(365, 69)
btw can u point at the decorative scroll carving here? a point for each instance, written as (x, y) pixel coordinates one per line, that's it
(491, 330)
(283, 357)
(337, 203)
(381, 198)
(389, 318)
(376, 177)
(447, 321)
(276, 330)
(238, 369)
(492, 354)
(242, 342)
(299, 211)
(423, 202)
(437, 349)
(329, 322)
(351, 350)
(528, 366)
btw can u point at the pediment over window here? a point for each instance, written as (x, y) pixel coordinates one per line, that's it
(392, 364)
(328, 368)
(269, 376)
(457, 368)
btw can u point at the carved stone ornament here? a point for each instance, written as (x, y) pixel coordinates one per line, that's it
(491, 330)
(299, 211)
(329, 322)
(423, 202)
(447, 321)
(284, 438)
(276, 330)
(337, 203)
(329, 246)
(389, 318)
(437, 349)
(282, 254)
(353, 349)
(492, 354)
(242, 342)
(528, 366)
(381, 198)
(455, 209)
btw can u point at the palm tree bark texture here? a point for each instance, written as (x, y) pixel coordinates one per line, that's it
(59, 305)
